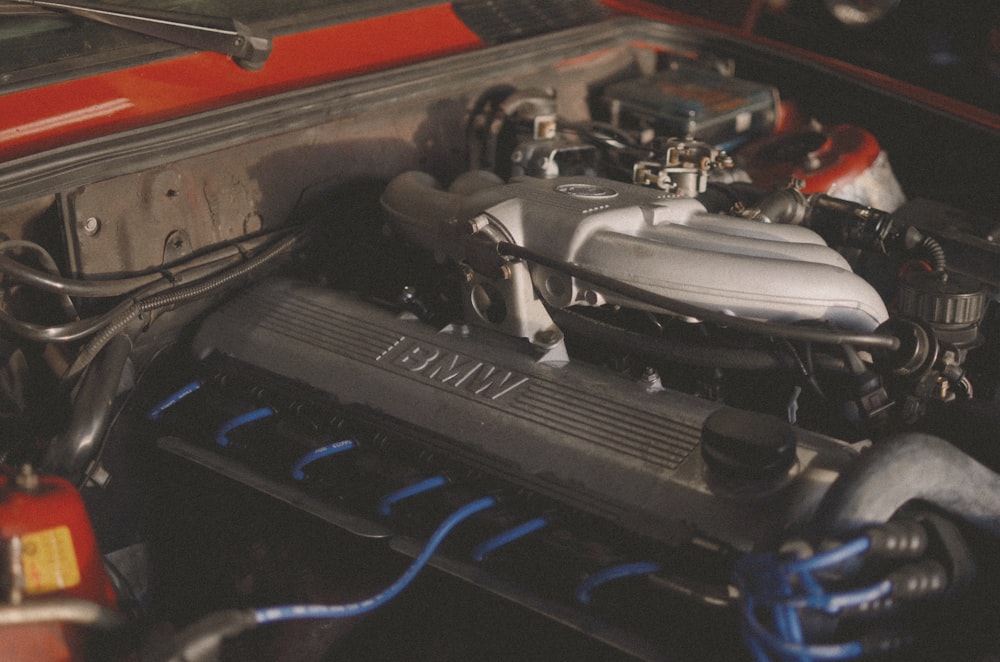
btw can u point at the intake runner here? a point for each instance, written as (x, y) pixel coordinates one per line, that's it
(645, 237)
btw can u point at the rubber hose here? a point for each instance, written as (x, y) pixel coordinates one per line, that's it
(74, 449)
(935, 251)
(688, 353)
(175, 297)
(905, 468)
(70, 286)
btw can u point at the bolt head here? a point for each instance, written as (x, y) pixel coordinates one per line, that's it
(547, 337)
(91, 226)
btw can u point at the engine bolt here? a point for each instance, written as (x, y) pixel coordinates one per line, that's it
(547, 337)
(91, 226)
(478, 223)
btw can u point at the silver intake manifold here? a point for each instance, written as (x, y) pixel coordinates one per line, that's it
(645, 237)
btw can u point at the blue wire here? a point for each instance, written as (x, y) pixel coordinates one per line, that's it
(789, 626)
(794, 625)
(786, 624)
(221, 437)
(756, 649)
(317, 453)
(841, 651)
(831, 557)
(508, 536)
(810, 584)
(432, 483)
(786, 616)
(833, 603)
(775, 585)
(291, 612)
(609, 574)
(157, 411)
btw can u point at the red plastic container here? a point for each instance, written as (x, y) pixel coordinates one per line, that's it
(58, 557)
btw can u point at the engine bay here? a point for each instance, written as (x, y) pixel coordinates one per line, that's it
(700, 339)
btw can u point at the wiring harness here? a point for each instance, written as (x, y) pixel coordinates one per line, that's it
(239, 431)
(820, 600)
(196, 278)
(201, 641)
(849, 599)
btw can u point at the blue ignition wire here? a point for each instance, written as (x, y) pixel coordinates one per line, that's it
(831, 557)
(508, 536)
(292, 612)
(809, 583)
(386, 503)
(786, 621)
(774, 583)
(157, 411)
(221, 437)
(298, 471)
(614, 572)
(841, 651)
(833, 603)
(756, 649)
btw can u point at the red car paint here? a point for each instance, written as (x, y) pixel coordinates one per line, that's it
(46, 117)
(41, 118)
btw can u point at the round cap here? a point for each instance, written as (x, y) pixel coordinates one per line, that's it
(747, 445)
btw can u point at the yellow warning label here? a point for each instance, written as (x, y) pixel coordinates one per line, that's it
(49, 561)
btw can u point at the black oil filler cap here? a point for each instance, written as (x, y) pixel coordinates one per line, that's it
(747, 445)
